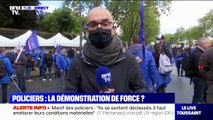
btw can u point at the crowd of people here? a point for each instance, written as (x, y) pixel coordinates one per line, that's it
(133, 68)
(20, 67)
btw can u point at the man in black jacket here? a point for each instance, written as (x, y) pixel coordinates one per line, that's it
(20, 67)
(199, 82)
(103, 48)
(206, 70)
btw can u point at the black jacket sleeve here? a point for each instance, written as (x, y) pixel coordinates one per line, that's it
(72, 81)
(204, 66)
(22, 59)
(136, 82)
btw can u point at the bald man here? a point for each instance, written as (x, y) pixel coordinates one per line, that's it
(200, 86)
(103, 48)
(206, 70)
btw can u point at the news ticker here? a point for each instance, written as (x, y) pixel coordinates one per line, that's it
(15, 9)
(147, 105)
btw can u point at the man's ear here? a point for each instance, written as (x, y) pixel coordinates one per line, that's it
(114, 30)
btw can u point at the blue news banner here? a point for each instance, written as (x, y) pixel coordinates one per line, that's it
(182, 111)
(73, 98)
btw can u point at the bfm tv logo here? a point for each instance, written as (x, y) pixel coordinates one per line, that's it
(106, 77)
(15, 10)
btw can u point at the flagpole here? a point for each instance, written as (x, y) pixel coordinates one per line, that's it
(19, 54)
(13, 79)
(142, 34)
(80, 47)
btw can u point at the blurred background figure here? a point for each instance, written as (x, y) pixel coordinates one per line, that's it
(62, 64)
(57, 71)
(40, 59)
(70, 55)
(179, 60)
(6, 70)
(151, 47)
(11, 55)
(20, 67)
(164, 79)
(164, 47)
(198, 80)
(29, 67)
(47, 63)
(146, 64)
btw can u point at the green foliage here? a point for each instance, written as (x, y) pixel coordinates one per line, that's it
(207, 23)
(86, 5)
(61, 20)
(205, 28)
(179, 35)
(131, 23)
(194, 33)
(126, 15)
(170, 38)
(189, 34)
(151, 24)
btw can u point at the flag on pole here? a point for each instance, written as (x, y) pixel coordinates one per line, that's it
(142, 33)
(85, 25)
(58, 48)
(32, 43)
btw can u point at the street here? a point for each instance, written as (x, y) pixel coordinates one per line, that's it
(181, 87)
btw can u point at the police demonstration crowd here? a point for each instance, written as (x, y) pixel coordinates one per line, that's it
(132, 68)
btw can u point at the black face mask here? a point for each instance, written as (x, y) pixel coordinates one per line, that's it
(100, 38)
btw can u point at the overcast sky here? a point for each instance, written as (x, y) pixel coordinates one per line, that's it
(183, 14)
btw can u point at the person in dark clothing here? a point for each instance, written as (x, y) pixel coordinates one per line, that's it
(103, 49)
(206, 70)
(165, 47)
(70, 55)
(200, 86)
(156, 54)
(163, 80)
(179, 61)
(29, 67)
(57, 71)
(5, 79)
(11, 55)
(47, 63)
(20, 67)
(185, 62)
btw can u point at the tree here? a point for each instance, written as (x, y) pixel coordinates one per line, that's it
(131, 24)
(179, 34)
(207, 23)
(190, 34)
(61, 20)
(194, 33)
(85, 4)
(170, 38)
(126, 15)
(26, 19)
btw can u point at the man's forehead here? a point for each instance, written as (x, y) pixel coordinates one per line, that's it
(99, 14)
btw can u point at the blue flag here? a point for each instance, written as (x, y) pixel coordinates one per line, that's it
(142, 33)
(85, 25)
(32, 43)
(58, 48)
